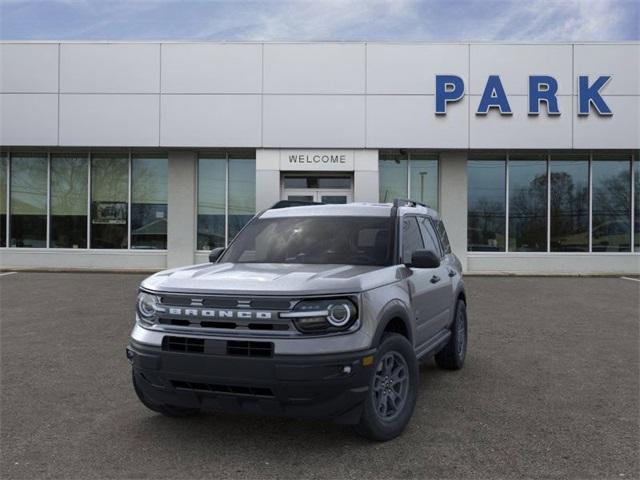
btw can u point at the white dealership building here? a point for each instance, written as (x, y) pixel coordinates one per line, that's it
(142, 156)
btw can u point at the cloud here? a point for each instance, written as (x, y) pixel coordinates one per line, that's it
(331, 20)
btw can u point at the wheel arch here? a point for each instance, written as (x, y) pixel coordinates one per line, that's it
(395, 318)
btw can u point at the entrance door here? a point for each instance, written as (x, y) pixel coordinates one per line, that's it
(315, 188)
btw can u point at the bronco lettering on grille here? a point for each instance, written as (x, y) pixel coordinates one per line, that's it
(213, 313)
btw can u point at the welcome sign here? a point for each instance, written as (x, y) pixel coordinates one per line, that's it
(317, 160)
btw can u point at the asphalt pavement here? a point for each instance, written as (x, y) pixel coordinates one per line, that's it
(550, 390)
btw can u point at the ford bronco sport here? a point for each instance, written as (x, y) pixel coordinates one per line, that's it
(316, 311)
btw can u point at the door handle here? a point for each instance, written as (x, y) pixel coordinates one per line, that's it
(435, 279)
(452, 273)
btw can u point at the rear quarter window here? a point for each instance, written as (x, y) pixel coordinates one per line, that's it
(444, 238)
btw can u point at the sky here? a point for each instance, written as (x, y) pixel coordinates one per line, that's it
(321, 20)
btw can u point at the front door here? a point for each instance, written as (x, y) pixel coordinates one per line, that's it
(316, 188)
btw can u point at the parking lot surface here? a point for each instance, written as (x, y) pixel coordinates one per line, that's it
(550, 390)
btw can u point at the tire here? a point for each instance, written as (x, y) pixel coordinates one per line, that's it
(386, 415)
(167, 410)
(452, 356)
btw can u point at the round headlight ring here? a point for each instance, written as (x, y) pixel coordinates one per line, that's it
(339, 314)
(146, 305)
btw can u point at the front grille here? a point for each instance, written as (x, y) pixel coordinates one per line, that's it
(250, 349)
(216, 388)
(183, 344)
(226, 302)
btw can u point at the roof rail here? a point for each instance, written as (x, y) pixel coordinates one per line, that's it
(293, 203)
(402, 202)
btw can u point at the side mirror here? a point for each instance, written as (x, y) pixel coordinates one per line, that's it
(215, 254)
(424, 259)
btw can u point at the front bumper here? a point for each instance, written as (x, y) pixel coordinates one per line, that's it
(304, 386)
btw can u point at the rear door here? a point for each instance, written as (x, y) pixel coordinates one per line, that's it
(422, 288)
(440, 306)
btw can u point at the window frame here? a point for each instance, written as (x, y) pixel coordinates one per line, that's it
(407, 187)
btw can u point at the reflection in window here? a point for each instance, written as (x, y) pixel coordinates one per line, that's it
(109, 196)
(212, 173)
(69, 201)
(636, 189)
(149, 202)
(3, 199)
(528, 203)
(611, 230)
(424, 179)
(242, 193)
(486, 203)
(569, 203)
(393, 176)
(28, 201)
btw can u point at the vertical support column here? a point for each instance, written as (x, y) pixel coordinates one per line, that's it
(365, 176)
(181, 216)
(267, 178)
(453, 200)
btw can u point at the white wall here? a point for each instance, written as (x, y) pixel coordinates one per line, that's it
(305, 95)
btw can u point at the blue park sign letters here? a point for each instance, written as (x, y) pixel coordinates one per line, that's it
(542, 89)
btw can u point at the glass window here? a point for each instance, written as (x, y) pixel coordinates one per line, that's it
(411, 238)
(3, 199)
(28, 201)
(569, 203)
(429, 236)
(424, 179)
(69, 178)
(212, 173)
(486, 204)
(149, 202)
(636, 188)
(393, 176)
(312, 240)
(528, 203)
(109, 197)
(611, 230)
(242, 193)
(444, 238)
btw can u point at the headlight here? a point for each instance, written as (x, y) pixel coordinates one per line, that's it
(147, 307)
(324, 315)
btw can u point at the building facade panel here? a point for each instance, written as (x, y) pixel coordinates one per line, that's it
(314, 68)
(521, 130)
(622, 62)
(109, 120)
(211, 120)
(28, 68)
(620, 130)
(411, 69)
(405, 121)
(28, 119)
(221, 68)
(109, 68)
(313, 121)
(514, 64)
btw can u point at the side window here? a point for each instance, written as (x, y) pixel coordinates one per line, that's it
(411, 239)
(444, 238)
(429, 235)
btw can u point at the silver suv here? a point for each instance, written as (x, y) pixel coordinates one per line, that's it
(315, 311)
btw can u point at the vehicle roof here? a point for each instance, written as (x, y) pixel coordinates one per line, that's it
(356, 209)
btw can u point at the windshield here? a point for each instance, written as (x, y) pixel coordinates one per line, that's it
(316, 240)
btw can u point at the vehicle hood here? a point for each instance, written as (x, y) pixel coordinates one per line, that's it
(271, 279)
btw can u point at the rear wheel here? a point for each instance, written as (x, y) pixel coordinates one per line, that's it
(392, 390)
(452, 356)
(168, 410)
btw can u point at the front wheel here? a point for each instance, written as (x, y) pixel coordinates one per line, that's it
(452, 356)
(393, 390)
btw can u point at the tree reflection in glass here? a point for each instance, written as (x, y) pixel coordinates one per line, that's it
(569, 203)
(528, 203)
(149, 195)
(486, 205)
(28, 227)
(611, 231)
(109, 197)
(69, 201)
